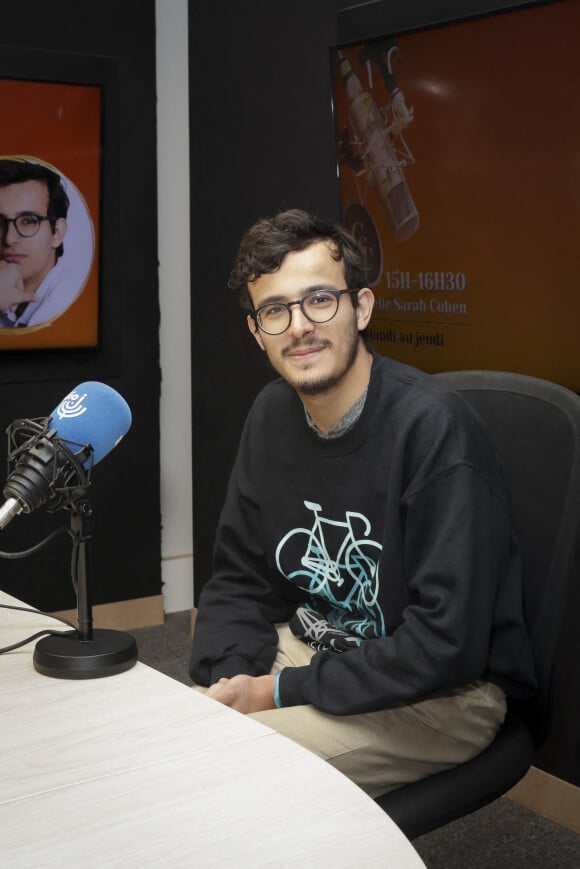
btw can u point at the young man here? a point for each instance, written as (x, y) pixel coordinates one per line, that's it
(33, 211)
(366, 595)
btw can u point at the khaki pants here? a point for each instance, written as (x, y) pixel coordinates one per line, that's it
(381, 751)
(384, 750)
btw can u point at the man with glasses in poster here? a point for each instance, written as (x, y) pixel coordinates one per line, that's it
(366, 595)
(33, 224)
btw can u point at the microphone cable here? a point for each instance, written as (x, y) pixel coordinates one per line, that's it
(47, 632)
(24, 553)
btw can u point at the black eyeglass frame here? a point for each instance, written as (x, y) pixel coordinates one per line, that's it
(5, 221)
(255, 315)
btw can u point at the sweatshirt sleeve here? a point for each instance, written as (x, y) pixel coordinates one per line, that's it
(457, 548)
(235, 625)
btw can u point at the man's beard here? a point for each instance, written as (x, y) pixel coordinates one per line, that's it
(324, 384)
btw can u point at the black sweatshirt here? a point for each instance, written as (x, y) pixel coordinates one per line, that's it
(396, 534)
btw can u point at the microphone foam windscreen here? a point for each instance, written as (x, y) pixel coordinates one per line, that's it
(93, 413)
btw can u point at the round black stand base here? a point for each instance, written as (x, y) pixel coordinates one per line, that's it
(68, 657)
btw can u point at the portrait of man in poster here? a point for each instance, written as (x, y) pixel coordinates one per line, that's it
(43, 267)
(50, 214)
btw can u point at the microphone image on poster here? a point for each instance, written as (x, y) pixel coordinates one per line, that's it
(374, 148)
(50, 463)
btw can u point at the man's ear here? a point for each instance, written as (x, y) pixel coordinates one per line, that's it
(255, 332)
(364, 309)
(59, 232)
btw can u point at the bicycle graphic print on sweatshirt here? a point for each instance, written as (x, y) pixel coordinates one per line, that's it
(336, 562)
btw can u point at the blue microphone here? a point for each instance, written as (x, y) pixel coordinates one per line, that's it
(52, 458)
(93, 413)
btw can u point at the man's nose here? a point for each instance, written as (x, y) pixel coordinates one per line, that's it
(10, 235)
(299, 322)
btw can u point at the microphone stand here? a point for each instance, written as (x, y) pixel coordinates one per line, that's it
(84, 653)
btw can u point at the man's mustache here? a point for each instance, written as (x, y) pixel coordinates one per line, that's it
(305, 344)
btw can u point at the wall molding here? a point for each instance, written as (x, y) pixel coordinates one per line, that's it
(549, 796)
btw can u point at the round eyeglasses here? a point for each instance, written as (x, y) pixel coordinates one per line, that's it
(25, 225)
(318, 306)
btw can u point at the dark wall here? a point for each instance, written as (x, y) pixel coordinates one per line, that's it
(71, 42)
(261, 140)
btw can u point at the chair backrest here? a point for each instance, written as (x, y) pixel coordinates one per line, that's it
(535, 427)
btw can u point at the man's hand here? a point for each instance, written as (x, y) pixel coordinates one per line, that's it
(245, 693)
(12, 290)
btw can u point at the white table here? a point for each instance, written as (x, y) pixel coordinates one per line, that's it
(137, 770)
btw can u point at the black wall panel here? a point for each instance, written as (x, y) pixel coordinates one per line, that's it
(261, 140)
(74, 38)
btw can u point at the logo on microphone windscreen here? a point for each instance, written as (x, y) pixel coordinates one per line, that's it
(71, 406)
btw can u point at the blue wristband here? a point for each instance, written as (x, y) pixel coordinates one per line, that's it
(277, 700)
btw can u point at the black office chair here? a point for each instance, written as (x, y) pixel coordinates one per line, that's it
(535, 427)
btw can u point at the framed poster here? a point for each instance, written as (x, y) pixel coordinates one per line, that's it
(459, 167)
(50, 202)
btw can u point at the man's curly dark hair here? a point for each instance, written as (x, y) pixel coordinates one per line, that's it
(266, 243)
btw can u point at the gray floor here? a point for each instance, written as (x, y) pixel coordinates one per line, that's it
(501, 836)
